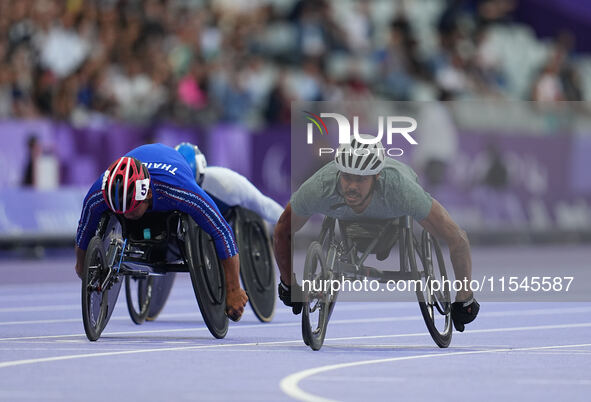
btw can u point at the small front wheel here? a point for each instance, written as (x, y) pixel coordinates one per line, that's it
(138, 294)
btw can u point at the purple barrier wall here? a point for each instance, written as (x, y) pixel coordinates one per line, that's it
(548, 183)
(26, 214)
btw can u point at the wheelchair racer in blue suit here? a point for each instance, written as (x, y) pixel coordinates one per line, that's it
(156, 178)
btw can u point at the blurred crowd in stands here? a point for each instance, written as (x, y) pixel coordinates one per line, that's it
(205, 61)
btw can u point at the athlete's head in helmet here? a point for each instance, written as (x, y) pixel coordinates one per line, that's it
(359, 165)
(126, 187)
(195, 158)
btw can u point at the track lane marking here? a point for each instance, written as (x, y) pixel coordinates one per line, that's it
(571, 310)
(248, 326)
(193, 302)
(290, 384)
(230, 345)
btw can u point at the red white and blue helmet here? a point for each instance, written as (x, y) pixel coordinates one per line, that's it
(125, 184)
(195, 158)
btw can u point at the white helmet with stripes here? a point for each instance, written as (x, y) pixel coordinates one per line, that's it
(360, 159)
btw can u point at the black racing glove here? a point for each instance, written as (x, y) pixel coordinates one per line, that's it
(285, 296)
(464, 313)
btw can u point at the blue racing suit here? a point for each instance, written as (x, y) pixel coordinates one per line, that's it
(173, 189)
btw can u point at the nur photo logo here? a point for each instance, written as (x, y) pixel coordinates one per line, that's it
(391, 125)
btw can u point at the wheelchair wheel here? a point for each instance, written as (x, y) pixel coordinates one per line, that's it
(318, 305)
(161, 287)
(207, 277)
(435, 306)
(138, 293)
(256, 265)
(98, 297)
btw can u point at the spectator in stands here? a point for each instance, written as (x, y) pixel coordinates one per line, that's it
(398, 61)
(495, 175)
(438, 136)
(547, 86)
(33, 153)
(162, 58)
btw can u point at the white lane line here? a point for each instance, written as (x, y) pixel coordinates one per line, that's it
(56, 307)
(35, 297)
(327, 347)
(258, 344)
(290, 384)
(177, 315)
(160, 318)
(193, 302)
(351, 379)
(113, 318)
(75, 307)
(52, 349)
(417, 317)
(552, 381)
(248, 326)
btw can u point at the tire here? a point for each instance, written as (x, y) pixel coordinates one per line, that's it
(207, 278)
(438, 322)
(161, 288)
(110, 230)
(318, 306)
(256, 264)
(138, 292)
(97, 304)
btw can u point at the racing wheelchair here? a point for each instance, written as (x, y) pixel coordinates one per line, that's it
(342, 255)
(155, 246)
(146, 296)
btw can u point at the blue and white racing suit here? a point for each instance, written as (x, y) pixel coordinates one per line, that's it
(228, 189)
(173, 189)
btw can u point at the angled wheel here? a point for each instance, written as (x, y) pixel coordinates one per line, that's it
(318, 301)
(435, 305)
(207, 277)
(97, 290)
(256, 264)
(161, 287)
(138, 293)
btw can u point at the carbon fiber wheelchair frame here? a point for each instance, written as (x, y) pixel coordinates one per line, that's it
(149, 252)
(117, 252)
(335, 257)
(256, 270)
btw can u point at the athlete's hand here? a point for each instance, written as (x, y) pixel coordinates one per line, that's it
(235, 301)
(79, 267)
(284, 292)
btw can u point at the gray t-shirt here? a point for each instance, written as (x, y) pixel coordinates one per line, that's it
(397, 193)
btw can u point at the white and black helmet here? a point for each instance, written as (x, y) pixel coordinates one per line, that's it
(360, 159)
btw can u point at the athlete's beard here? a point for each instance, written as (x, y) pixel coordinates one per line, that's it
(356, 193)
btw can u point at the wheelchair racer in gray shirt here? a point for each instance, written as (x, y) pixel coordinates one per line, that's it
(363, 183)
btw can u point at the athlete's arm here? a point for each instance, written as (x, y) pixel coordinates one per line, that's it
(234, 189)
(92, 209)
(192, 200)
(287, 223)
(440, 224)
